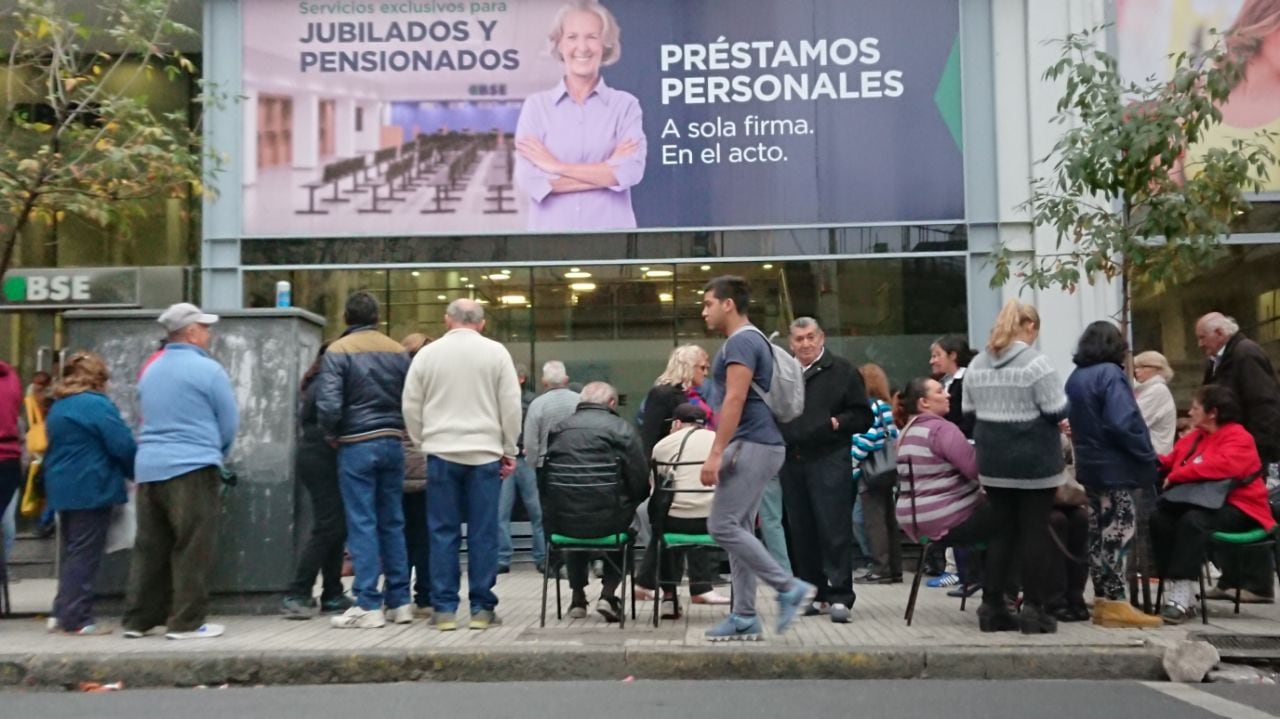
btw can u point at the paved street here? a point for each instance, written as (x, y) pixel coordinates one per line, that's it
(641, 699)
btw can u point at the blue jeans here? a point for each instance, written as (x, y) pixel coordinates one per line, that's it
(861, 547)
(456, 492)
(525, 483)
(9, 526)
(775, 539)
(371, 477)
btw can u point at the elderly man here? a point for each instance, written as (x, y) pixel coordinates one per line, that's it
(816, 487)
(189, 421)
(358, 407)
(1238, 362)
(544, 412)
(593, 436)
(462, 403)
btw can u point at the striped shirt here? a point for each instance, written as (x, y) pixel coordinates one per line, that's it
(872, 441)
(937, 478)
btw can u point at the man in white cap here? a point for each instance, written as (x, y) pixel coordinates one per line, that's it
(189, 420)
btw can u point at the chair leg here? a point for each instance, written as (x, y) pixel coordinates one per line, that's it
(1160, 593)
(631, 560)
(622, 616)
(559, 610)
(546, 574)
(1204, 601)
(915, 585)
(1146, 594)
(657, 580)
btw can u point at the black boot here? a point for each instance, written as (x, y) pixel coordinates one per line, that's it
(1033, 619)
(996, 618)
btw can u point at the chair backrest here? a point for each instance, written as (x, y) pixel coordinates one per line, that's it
(572, 495)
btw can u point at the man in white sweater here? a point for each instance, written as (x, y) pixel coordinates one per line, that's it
(462, 403)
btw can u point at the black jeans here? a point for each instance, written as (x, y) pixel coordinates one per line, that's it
(322, 554)
(1180, 537)
(173, 554)
(576, 564)
(1020, 542)
(11, 479)
(817, 493)
(84, 537)
(417, 541)
(702, 560)
(1066, 576)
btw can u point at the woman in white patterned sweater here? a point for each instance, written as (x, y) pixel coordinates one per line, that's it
(1018, 402)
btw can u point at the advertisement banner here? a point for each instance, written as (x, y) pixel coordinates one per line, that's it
(547, 116)
(1151, 32)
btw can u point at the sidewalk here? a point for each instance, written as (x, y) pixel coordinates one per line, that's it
(943, 643)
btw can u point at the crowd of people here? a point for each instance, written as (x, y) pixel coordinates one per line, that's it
(807, 472)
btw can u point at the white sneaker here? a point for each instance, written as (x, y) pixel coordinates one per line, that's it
(711, 597)
(206, 631)
(357, 618)
(402, 614)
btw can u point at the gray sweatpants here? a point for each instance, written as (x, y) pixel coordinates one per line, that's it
(746, 469)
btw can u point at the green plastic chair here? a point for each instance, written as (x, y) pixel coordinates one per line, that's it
(663, 540)
(1254, 539)
(559, 544)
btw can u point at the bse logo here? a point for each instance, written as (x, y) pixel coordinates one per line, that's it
(37, 288)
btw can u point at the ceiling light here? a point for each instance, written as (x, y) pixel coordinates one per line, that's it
(416, 273)
(464, 279)
(471, 287)
(644, 269)
(583, 286)
(576, 274)
(574, 269)
(768, 266)
(505, 272)
(513, 300)
(441, 297)
(665, 297)
(499, 278)
(706, 268)
(658, 273)
(482, 301)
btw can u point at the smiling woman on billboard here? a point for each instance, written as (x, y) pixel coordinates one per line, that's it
(580, 145)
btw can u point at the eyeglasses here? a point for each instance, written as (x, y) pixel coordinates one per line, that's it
(704, 367)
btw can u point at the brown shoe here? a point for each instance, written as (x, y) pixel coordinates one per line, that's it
(1121, 615)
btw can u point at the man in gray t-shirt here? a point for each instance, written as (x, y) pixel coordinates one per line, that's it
(748, 451)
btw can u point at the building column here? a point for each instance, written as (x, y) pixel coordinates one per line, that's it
(344, 127)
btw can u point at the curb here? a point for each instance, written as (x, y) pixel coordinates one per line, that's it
(160, 669)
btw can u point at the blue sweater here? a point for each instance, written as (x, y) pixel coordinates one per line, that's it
(1112, 443)
(90, 453)
(189, 414)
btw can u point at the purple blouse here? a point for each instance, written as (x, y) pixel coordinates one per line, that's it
(585, 133)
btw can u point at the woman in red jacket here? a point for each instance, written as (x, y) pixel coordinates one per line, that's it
(1218, 447)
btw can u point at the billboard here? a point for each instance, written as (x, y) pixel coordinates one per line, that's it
(547, 116)
(1151, 32)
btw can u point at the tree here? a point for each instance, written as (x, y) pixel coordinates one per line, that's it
(1125, 195)
(76, 136)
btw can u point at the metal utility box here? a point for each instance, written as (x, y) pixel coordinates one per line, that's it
(265, 352)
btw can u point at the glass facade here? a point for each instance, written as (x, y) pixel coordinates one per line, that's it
(618, 322)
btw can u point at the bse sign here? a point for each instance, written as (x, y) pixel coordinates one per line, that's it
(67, 288)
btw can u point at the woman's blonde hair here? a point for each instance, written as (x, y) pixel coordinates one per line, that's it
(83, 372)
(877, 382)
(681, 365)
(1013, 317)
(1155, 361)
(610, 35)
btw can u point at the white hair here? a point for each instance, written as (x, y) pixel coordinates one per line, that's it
(554, 374)
(465, 311)
(610, 35)
(1227, 325)
(599, 393)
(804, 323)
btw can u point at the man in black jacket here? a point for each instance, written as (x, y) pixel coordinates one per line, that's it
(358, 406)
(817, 481)
(1238, 362)
(593, 477)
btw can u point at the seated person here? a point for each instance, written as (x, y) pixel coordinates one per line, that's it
(679, 456)
(592, 438)
(1218, 447)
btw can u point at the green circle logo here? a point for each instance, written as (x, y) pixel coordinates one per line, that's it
(15, 289)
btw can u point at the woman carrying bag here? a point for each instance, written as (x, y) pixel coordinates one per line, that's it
(90, 456)
(875, 447)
